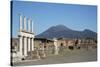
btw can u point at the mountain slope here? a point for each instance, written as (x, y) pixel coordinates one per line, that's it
(61, 31)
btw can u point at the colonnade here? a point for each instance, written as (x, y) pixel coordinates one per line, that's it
(26, 36)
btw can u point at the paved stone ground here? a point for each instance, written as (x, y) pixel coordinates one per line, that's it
(67, 56)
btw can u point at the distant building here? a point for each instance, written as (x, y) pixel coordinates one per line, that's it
(37, 43)
(66, 42)
(83, 43)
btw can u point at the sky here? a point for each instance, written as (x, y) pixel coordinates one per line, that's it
(45, 15)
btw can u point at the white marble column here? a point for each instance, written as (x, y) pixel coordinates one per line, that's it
(20, 20)
(32, 26)
(20, 45)
(56, 47)
(24, 23)
(28, 44)
(25, 46)
(29, 26)
(32, 44)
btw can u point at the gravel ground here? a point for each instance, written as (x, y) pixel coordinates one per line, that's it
(67, 56)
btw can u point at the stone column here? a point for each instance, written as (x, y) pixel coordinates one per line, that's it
(29, 22)
(28, 44)
(43, 51)
(79, 42)
(20, 20)
(20, 45)
(25, 46)
(32, 27)
(56, 47)
(32, 44)
(24, 23)
(43, 47)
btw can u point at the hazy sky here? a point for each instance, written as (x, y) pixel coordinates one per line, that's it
(45, 15)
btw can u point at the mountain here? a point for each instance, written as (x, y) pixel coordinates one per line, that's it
(61, 31)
